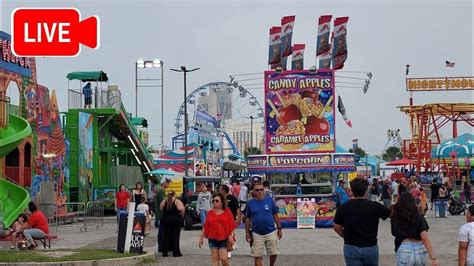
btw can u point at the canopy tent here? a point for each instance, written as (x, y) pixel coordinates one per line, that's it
(403, 161)
(161, 171)
(464, 162)
(88, 76)
(459, 147)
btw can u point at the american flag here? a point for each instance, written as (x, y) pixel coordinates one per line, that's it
(450, 64)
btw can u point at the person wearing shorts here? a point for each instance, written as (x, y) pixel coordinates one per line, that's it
(262, 214)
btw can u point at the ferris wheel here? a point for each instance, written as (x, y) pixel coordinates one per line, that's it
(237, 109)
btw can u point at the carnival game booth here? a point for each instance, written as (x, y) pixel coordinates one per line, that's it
(301, 161)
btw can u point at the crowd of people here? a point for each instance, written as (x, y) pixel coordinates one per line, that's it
(357, 219)
(403, 201)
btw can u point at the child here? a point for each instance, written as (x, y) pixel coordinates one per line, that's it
(466, 243)
(423, 201)
(17, 229)
(144, 208)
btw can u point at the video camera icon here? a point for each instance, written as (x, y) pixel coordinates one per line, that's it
(52, 32)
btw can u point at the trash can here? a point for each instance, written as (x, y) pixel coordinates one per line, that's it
(138, 233)
(440, 208)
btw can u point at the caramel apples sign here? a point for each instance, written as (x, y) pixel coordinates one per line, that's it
(299, 108)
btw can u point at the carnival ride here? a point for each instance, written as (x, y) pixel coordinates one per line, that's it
(234, 106)
(13, 129)
(426, 121)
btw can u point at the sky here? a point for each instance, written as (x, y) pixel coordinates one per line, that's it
(231, 37)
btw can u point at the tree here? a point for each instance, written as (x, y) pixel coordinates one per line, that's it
(252, 151)
(392, 153)
(358, 151)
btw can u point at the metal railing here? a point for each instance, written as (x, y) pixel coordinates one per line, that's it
(69, 211)
(94, 215)
(110, 98)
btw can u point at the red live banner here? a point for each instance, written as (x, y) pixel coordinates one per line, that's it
(52, 32)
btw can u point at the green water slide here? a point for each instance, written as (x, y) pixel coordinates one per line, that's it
(10, 136)
(13, 198)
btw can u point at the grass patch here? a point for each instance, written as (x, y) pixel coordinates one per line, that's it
(60, 255)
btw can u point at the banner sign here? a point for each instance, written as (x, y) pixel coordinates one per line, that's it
(274, 54)
(343, 159)
(11, 62)
(297, 62)
(305, 213)
(440, 84)
(287, 211)
(299, 112)
(340, 42)
(300, 160)
(287, 24)
(257, 160)
(322, 42)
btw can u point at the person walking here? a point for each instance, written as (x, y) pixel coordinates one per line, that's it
(159, 197)
(218, 229)
(138, 193)
(423, 201)
(262, 214)
(203, 203)
(387, 193)
(172, 216)
(374, 190)
(394, 190)
(237, 188)
(466, 240)
(145, 209)
(341, 193)
(410, 230)
(443, 192)
(122, 198)
(37, 226)
(243, 196)
(467, 192)
(357, 222)
(434, 187)
(233, 205)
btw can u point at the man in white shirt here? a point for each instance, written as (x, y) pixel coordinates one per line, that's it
(203, 203)
(243, 196)
(466, 240)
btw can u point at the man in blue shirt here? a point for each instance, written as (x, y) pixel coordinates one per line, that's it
(87, 91)
(341, 193)
(262, 213)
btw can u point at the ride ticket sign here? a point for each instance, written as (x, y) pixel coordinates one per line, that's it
(299, 112)
(52, 32)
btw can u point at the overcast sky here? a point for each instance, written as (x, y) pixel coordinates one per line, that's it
(229, 37)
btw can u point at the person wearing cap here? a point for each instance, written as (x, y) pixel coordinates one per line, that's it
(160, 196)
(341, 193)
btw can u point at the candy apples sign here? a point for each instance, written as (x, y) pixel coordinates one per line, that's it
(299, 111)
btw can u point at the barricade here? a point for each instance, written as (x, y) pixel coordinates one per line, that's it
(94, 214)
(50, 211)
(71, 211)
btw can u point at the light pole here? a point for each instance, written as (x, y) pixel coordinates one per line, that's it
(155, 63)
(251, 135)
(184, 70)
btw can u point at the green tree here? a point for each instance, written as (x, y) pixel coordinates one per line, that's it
(252, 151)
(358, 151)
(392, 153)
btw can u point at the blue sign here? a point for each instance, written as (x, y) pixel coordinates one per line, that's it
(11, 62)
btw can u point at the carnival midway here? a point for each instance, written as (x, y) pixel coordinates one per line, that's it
(251, 171)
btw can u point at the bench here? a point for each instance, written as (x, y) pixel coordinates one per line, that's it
(47, 240)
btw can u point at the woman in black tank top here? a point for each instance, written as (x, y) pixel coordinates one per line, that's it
(173, 211)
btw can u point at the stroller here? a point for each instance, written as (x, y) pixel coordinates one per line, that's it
(456, 206)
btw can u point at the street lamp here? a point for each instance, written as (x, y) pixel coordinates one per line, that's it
(184, 70)
(251, 135)
(155, 63)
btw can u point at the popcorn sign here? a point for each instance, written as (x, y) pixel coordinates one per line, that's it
(52, 32)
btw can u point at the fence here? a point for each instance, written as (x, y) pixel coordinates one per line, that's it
(94, 214)
(68, 212)
(110, 98)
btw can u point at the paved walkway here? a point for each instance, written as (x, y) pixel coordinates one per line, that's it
(304, 247)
